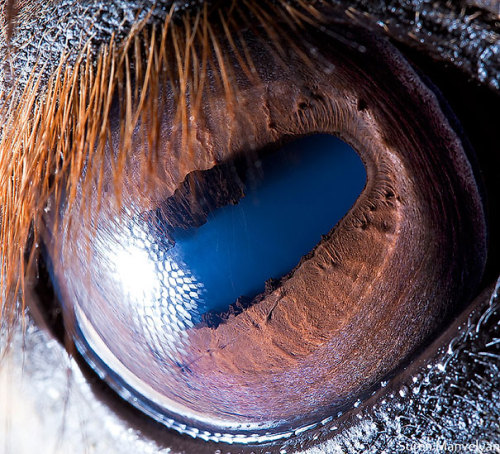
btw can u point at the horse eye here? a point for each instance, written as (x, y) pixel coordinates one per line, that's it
(248, 234)
(208, 354)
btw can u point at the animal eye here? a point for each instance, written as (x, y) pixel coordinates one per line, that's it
(197, 120)
(333, 324)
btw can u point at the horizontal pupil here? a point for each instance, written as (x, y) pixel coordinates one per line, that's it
(258, 219)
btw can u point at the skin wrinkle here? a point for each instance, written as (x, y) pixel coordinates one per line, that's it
(370, 432)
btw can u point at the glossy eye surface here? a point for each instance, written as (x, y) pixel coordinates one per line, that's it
(330, 325)
(123, 243)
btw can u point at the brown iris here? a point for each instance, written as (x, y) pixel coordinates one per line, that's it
(411, 249)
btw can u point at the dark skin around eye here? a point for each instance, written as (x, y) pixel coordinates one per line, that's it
(412, 410)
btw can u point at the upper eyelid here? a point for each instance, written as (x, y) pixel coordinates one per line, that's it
(467, 42)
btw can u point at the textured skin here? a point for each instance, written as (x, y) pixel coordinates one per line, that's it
(468, 38)
(458, 397)
(453, 31)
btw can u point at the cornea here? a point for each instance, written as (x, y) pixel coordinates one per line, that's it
(390, 138)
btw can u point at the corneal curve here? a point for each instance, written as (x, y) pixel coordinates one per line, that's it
(471, 221)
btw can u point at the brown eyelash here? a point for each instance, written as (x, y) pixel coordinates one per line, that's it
(56, 134)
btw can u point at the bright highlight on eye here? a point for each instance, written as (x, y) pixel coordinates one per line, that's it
(148, 278)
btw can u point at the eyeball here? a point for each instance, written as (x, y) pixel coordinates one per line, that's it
(185, 342)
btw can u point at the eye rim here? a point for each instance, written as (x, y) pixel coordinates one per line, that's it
(467, 98)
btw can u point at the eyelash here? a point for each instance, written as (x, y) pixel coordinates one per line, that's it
(26, 232)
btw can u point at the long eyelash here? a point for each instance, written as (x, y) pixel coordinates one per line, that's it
(11, 10)
(54, 146)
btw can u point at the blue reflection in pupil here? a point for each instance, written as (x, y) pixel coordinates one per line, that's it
(307, 186)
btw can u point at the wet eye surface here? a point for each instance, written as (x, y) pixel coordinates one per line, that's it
(339, 316)
(257, 350)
